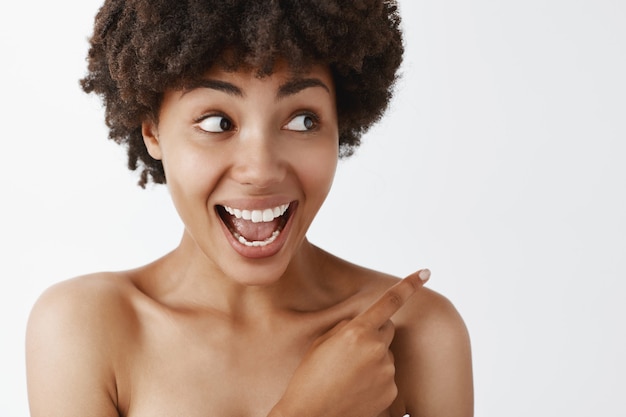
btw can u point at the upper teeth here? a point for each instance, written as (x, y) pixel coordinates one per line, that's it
(258, 216)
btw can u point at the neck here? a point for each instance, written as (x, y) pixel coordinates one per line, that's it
(187, 279)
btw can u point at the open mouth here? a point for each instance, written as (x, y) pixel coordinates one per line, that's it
(255, 228)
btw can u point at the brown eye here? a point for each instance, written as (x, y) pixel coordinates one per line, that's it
(215, 124)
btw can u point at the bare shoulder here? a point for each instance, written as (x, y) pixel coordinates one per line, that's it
(89, 313)
(431, 349)
(428, 312)
(70, 345)
(433, 357)
(425, 311)
(98, 298)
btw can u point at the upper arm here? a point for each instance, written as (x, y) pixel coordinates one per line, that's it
(69, 370)
(433, 359)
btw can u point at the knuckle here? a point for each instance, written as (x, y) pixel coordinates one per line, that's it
(341, 325)
(380, 351)
(389, 326)
(353, 334)
(393, 391)
(394, 298)
(390, 371)
(390, 394)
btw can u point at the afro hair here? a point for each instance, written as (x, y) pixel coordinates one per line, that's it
(141, 48)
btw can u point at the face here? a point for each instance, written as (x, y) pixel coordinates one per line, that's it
(248, 162)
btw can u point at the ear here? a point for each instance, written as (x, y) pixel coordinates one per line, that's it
(150, 135)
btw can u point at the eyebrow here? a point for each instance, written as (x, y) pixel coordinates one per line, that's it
(296, 85)
(290, 88)
(222, 86)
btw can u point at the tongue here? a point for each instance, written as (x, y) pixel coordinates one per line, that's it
(254, 231)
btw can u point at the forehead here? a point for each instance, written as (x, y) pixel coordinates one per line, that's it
(315, 83)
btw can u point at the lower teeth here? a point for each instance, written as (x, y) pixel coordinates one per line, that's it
(257, 243)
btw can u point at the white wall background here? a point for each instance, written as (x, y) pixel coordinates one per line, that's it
(500, 166)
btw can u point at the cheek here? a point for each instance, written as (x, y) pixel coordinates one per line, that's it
(191, 176)
(317, 169)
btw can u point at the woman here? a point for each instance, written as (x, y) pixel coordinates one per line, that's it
(242, 109)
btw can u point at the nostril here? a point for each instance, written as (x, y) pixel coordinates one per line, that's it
(261, 172)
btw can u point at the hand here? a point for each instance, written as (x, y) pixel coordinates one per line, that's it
(349, 371)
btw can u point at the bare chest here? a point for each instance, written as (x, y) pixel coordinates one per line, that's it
(199, 366)
(209, 370)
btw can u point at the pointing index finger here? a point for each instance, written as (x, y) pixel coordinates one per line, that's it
(394, 298)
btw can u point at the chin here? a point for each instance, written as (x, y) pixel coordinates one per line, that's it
(254, 274)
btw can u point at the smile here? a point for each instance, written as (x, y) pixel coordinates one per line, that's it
(255, 228)
(257, 216)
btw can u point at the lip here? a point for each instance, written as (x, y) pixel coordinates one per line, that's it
(256, 252)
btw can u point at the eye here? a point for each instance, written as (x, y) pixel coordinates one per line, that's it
(215, 124)
(302, 123)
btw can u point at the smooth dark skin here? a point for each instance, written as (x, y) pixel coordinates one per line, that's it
(106, 358)
(205, 331)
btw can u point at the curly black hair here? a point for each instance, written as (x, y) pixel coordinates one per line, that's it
(140, 48)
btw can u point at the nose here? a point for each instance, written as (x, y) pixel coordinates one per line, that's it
(258, 161)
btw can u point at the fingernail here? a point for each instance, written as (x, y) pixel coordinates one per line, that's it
(424, 275)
